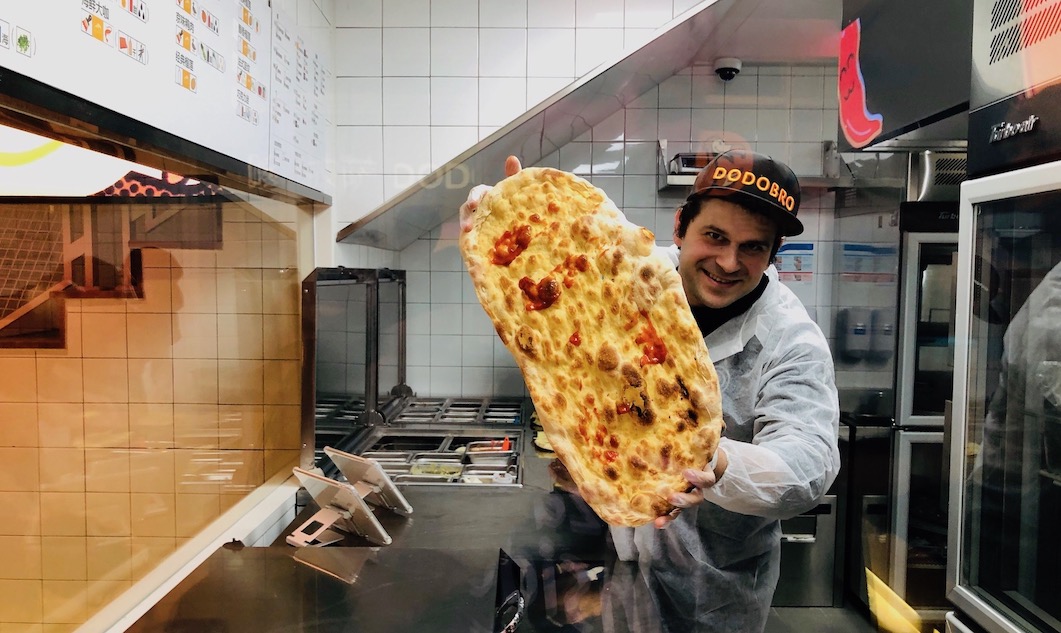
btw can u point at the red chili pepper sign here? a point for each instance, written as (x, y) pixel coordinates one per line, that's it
(859, 126)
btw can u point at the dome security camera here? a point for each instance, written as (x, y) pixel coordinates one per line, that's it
(727, 68)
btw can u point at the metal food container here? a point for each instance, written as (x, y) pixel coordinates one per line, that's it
(480, 474)
(437, 467)
(489, 452)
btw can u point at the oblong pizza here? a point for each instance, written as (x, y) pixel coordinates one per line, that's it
(602, 331)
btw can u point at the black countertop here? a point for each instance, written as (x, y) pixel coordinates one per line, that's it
(439, 574)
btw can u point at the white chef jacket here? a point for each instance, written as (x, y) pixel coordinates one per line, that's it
(715, 567)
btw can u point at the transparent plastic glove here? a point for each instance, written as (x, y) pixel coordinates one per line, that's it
(467, 210)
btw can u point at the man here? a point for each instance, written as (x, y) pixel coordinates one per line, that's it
(715, 566)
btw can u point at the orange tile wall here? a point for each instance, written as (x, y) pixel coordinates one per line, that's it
(160, 414)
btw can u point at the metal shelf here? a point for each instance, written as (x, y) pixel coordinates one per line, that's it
(831, 162)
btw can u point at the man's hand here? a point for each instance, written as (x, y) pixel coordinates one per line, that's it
(562, 478)
(512, 167)
(699, 480)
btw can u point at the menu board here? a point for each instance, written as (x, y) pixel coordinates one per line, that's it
(300, 85)
(201, 70)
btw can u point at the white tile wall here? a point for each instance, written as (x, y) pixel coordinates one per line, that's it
(405, 13)
(406, 52)
(551, 52)
(454, 52)
(503, 52)
(360, 12)
(594, 46)
(455, 13)
(503, 13)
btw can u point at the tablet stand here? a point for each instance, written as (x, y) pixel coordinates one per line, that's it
(343, 505)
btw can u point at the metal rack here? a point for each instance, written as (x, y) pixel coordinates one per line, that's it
(341, 413)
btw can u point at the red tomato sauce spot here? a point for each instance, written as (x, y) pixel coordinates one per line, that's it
(655, 351)
(509, 246)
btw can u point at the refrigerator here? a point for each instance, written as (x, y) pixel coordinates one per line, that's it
(924, 381)
(897, 473)
(1005, 453)
(1005, 484)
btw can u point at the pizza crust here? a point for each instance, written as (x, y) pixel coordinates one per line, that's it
(601, 328)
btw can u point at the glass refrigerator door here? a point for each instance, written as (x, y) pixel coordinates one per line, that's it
(926, 363)
(1005, 458)
(919, 551)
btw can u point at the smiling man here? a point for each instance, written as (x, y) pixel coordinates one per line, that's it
(715, 566)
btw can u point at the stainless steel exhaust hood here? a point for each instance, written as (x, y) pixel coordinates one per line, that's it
(545, 128)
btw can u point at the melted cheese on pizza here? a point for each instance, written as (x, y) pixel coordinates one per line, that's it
(602, 331)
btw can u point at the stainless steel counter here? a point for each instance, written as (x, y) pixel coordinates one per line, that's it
(439, 574)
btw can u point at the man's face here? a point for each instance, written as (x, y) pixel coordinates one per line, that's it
(724, 252)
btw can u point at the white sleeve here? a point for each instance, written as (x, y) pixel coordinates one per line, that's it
(793, 457)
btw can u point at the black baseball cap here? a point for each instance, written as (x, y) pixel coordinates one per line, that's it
(754, 181)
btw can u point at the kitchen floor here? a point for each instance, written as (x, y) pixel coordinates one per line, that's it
(818, 620)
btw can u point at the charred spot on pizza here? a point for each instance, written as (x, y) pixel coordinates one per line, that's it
(664, 388)
(611, 472)
(631, 375)
(637, 463)
(639, 405)
(665, 455)
(681, 387)
(692, 417)
(607, 358)
(645, 415)
(617, 260)
(609, 415)
(525, 340)
(501, 334)
(560, 401)
(646, 274)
